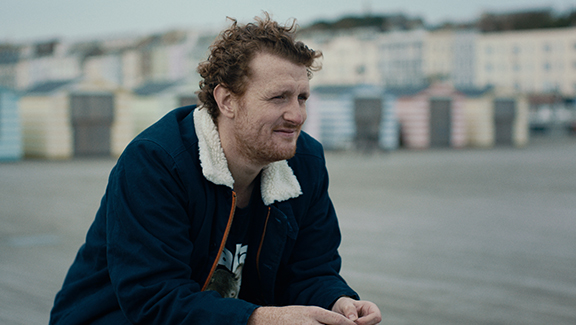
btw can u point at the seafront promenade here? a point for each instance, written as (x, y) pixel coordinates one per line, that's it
(471, 236)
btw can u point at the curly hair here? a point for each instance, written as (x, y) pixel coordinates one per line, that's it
(232, 51)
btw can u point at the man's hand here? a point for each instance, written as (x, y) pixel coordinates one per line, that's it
(361, 312)
(297, 315)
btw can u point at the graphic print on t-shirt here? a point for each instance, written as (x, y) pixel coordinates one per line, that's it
(227, 277)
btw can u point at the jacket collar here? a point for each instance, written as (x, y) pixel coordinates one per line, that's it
(278, 182)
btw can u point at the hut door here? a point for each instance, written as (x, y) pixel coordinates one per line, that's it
(504, 115)
(440, 122)
(367, 113)
(92, 117)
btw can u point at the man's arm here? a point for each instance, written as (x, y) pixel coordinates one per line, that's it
(311, 275)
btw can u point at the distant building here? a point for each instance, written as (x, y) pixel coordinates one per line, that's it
(401, 58)
(450, 55)
(533, 61)
(348, 58)
(46, 61)
(9, 56)
(165, 57)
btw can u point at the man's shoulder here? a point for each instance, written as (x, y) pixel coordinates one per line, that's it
(177, 120)
(309, 155)
(309, 147)
(173, 132)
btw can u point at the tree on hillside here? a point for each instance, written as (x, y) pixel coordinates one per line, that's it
(524, 20)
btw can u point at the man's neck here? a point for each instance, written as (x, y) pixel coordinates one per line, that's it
(242, 169)
(244, 182)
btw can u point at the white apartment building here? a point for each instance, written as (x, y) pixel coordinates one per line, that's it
(348, 59)
(449, 55)
(401, 58)
(533, 61)
(439, 54)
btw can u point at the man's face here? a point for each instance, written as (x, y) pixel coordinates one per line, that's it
(272, 110)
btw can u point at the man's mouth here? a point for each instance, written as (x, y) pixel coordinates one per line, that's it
(286, 131)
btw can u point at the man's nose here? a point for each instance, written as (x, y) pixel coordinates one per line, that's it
(296, 113)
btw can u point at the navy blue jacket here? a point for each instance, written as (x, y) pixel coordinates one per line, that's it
(159, 231)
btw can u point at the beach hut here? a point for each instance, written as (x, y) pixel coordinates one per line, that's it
(346, 117)
(511, 120)
(430, 116)
(479, 116)
(495, 117)
(154, 99)
(376, 119)
(65, 119)
(331, 116)
(10, 128)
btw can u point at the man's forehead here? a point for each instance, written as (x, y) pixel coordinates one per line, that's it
(265, 60)
(278, 85)
(273, 70)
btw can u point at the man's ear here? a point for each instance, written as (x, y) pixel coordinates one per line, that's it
(225, 101)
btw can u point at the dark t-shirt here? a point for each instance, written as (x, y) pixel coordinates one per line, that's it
(237, 265)
(227, 278)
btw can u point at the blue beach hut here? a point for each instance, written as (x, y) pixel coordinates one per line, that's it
(10, 127)
(359, 116)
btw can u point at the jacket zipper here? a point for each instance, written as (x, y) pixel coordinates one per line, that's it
(223, 243)
(260, 246)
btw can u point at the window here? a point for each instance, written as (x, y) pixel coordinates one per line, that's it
(547, 86)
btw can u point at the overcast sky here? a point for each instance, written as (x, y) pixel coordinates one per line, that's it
(26, 20)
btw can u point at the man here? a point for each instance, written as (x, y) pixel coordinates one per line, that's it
(220, 214)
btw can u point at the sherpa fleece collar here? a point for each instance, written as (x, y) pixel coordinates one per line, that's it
(278, 182)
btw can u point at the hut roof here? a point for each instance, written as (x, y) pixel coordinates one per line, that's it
(475, 92)
(48, 86)
(406, 91)
(333, 89)
(154, 87)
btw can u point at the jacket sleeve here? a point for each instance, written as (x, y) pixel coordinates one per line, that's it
(149, 246)
(312, 272)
